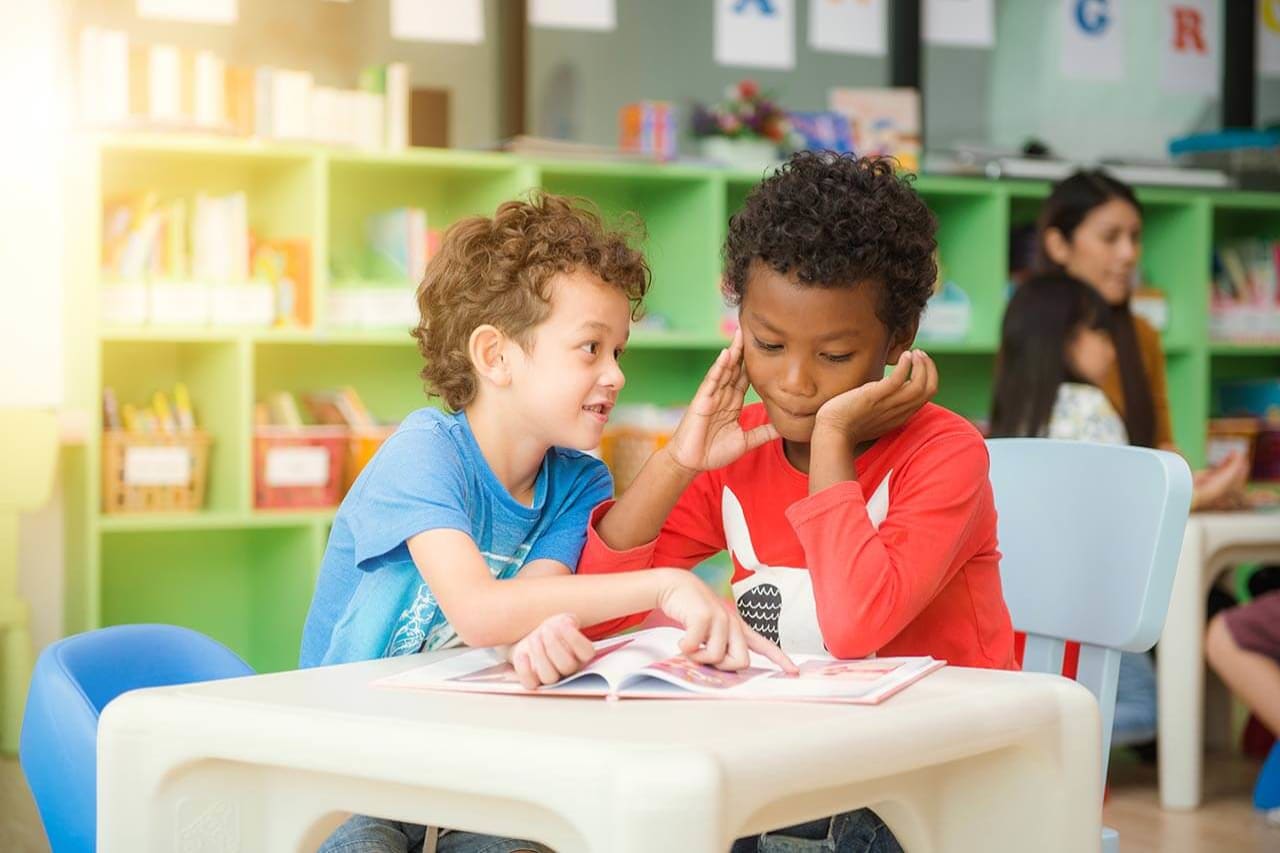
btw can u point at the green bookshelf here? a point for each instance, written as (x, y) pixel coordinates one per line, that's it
(245, 576)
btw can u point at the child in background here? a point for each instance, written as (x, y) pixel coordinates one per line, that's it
(1056, 353)
(1243, 647)
(859, 517)
(464, 528)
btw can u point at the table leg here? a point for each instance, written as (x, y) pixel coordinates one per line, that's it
(1180, 679)
(665, 801)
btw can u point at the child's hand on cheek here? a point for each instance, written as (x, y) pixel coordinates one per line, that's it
(554, 650)
(871, 410)
(709, 435)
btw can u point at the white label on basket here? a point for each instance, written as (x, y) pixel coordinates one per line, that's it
(297, 466)
(157, 466)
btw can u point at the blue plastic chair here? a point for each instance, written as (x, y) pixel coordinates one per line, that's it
(1090, 536)
(73, 681)
(1266, 792)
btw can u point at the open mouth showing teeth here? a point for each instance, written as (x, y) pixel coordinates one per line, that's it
(597, 408)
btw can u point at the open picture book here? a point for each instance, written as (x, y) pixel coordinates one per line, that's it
(648, 664)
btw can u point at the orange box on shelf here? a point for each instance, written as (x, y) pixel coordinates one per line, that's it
(298, 467)
(154, 472)
(361, 445)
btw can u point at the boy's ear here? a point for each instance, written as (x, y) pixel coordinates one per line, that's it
(901, 341)
(486, 348)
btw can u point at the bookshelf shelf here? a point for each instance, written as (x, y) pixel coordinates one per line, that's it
(1231, 350)
(170, 522)
(245, 576)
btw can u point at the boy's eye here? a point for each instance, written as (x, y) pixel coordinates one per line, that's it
(617, 354)
(766, 346)
(837, 357)
(591, 347)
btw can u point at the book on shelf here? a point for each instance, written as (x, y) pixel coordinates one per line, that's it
(1246, 292)
(648, 664)
(398, 245)
(341, 407)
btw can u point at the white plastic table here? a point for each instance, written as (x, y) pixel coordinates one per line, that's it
(966, 759)
(1212, 543)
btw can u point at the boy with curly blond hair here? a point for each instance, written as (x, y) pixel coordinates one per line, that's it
(466, 526)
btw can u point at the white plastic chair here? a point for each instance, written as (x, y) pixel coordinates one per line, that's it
(1090, 536)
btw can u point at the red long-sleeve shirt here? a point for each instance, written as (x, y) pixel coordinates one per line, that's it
(913, 569)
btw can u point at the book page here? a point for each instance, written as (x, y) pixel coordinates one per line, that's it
(865, 681)
(486, 671)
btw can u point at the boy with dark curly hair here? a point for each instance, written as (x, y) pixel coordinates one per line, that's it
(859, 516)
(466, 526)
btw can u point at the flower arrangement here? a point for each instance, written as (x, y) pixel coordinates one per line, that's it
(745, 113)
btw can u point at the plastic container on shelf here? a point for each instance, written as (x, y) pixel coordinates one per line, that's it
(1252, 157)
(299, 467)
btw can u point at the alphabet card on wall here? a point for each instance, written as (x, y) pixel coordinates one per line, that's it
(1092, 40)
(756, 33)
(1268, 44)
(848, 26)
(1190, 40)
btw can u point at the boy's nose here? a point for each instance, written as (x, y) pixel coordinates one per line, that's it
(796, 380)
(613, 377)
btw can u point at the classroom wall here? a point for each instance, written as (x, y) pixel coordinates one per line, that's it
(662, 50)
(1006, 95)
(31, 250)
(1085, 119)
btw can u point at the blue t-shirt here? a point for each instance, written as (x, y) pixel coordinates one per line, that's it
(370, 600)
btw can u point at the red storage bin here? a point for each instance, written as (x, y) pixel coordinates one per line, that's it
(298, 468)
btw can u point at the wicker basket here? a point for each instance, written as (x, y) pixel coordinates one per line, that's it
(154, 472)
(625, 450)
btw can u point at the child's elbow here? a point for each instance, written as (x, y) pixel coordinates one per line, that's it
(849, 648)
(853, 640)
(478, 632)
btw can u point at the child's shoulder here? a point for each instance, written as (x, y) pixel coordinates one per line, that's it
(934, 424)
(426, 436)
(576, 479)
(574, 460)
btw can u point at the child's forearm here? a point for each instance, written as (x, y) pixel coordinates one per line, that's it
(830, 460)
(637, 516)
(503, 612)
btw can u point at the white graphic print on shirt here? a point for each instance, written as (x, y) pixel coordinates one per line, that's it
(777, 601)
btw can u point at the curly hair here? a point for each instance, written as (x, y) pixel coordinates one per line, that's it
(498, 271)
(836, 220)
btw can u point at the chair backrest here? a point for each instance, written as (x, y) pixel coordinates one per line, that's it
(1090, 536)
(74, 679)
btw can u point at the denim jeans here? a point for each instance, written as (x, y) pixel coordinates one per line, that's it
(363, 834)
(859, 831)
